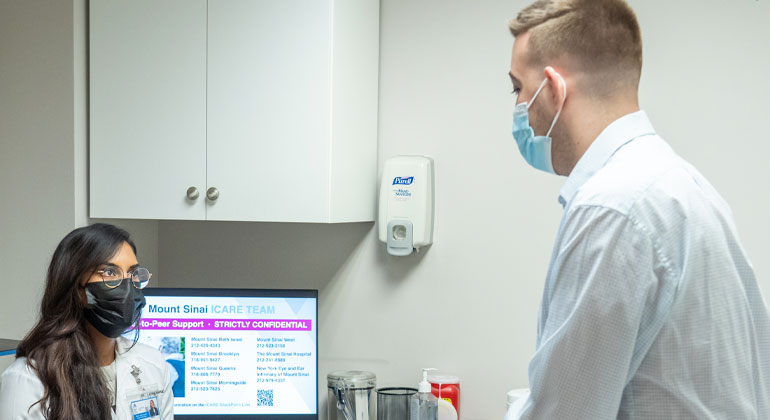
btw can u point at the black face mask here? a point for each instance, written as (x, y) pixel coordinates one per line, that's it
(113, 311)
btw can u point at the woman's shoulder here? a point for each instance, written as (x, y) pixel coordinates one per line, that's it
(21, 374)
(20, 390)
(21, 368)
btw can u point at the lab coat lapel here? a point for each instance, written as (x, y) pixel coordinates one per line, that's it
(121, 367)
(126, 381)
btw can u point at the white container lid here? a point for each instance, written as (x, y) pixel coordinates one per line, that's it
(351, 379)
(516, 394)
(443, 379)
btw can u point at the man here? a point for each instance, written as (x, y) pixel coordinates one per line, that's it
(651, 309)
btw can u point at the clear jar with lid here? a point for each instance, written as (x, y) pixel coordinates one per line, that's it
(351, 395)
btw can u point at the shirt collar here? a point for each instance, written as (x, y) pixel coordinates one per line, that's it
(613, 137)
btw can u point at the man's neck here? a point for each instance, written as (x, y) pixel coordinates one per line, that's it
(587, 128)
(103, 346)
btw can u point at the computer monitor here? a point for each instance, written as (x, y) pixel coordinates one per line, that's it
(236, 353)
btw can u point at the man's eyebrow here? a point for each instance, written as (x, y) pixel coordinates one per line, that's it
(514, 79)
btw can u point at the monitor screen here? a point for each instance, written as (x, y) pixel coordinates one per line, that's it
(236, 353)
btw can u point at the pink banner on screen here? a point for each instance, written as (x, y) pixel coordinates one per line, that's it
(226, 324)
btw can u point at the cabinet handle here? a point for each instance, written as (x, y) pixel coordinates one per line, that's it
(212, 194)
(192, 193)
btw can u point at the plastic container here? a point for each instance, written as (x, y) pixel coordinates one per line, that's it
(351, 395)
(423, 405)
(446, 388)
(515, 395)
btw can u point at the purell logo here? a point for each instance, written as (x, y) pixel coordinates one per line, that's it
(403, 181)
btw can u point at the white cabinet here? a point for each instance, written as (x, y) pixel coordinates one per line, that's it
(147, 108)
(273, 103)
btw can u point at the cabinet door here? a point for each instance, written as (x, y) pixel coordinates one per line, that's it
(147, 108)
(268, 120)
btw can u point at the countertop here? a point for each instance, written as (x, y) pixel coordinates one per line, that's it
(8, 346)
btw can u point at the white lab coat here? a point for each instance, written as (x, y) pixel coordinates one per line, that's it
(20, 387)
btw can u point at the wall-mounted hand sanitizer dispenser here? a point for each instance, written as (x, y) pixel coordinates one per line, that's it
(406, 204)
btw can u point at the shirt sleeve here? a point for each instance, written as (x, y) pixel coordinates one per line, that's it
(602, 307)
(18, 392)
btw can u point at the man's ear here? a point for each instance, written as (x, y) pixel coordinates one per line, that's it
(558, 86)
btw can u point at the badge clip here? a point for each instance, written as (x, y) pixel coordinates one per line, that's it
(135, 372)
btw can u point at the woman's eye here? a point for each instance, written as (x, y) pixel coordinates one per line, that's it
(110, 272)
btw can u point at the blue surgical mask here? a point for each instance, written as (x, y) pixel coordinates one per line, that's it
(536, 150)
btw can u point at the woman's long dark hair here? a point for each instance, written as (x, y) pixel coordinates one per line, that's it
(58, 347)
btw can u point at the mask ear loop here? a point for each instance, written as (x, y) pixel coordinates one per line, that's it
(537, 92)
(556, 118)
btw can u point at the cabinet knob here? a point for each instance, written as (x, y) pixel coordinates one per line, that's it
(192, 193)
(212, 194)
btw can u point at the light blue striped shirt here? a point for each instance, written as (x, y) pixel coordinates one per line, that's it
(651, 309)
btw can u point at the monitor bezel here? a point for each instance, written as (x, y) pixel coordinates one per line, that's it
(224, 292)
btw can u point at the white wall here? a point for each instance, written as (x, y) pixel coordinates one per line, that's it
(36, 151)
(468, 304)
(44, 150)
(705, 85)
(80, 99)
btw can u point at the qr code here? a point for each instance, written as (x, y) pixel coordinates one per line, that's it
(264, 398)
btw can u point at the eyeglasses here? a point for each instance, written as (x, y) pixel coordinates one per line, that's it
(113, 276)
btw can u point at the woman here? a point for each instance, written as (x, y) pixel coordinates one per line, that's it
(153, 409)
(74, 364)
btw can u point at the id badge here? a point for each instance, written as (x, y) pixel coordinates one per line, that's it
(144, 403)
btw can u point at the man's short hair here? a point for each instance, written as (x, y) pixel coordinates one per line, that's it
(601, 37)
